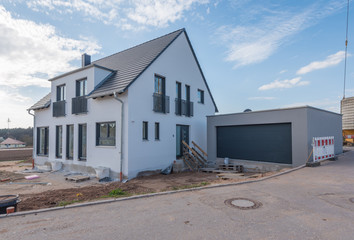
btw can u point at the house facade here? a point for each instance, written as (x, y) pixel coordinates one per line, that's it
(128, 112)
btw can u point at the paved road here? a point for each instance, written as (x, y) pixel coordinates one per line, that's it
(311, 203)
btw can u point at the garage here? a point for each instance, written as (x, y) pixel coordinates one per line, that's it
(262, 142)
(277, 136)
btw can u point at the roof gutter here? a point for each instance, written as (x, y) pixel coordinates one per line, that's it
(115, 94)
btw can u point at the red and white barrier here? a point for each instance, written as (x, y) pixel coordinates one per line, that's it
(323, 148)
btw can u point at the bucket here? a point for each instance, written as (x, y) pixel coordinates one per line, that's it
(8, 201)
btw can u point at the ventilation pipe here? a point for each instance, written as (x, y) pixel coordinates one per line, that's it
(85, 60)
(121, 135)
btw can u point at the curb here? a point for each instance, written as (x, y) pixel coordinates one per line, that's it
(145, 195)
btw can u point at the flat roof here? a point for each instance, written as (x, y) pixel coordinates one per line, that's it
(276, 109)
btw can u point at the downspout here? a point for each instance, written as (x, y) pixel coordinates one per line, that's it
(34, 135)
(121, 135)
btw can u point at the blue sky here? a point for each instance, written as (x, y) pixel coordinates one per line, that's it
(255, 54)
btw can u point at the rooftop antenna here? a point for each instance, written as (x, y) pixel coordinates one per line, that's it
(346, 50)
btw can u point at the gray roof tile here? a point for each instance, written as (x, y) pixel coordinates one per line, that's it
(43, 103)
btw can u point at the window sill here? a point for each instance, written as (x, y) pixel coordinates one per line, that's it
(106, 146)
(42, 155)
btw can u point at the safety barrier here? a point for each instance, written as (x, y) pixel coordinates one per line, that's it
(323, 148)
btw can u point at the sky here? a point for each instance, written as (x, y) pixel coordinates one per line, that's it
(254, 54)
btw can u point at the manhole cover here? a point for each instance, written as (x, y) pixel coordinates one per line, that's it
(243, 203)
(351, 199)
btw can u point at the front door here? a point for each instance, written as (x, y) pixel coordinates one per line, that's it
(182, 133)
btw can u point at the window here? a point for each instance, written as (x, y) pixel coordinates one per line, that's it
(200, 96)
(82, 141)
(42, 141)
(178, 90)
(69, 141)
(188, 93)
(60, 93)
(59, 141)
(157, 131)
(159, 85)
(145, 131)
(106, 134)
(81, 88)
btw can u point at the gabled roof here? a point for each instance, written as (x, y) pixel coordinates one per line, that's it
(11, 141)
(43, 103)
(131, 63)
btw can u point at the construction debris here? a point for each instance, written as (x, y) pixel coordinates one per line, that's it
(31, 177)
(77, 178)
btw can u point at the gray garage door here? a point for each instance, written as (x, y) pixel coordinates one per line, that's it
(265, 142)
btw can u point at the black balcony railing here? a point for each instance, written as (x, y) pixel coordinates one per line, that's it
(187, 108)
(79, 105)
(59, 109)
(161, 103)
(178, 106)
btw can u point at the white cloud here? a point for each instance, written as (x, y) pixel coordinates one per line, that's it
(255, 42)
(288, 83)
(125, 14)
(31, 53)
(13, 106)
(261, 98)
(330, 61)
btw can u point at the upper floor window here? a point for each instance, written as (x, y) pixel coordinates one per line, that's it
(81, 88)
(60, 93)
(178, 90)
(159, 85)
(200, 96)
(188, 93)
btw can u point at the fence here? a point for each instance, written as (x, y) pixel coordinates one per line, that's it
(323, 148)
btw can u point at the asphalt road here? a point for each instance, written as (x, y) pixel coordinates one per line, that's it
(311, 203)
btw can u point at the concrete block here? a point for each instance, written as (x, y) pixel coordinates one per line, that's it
(56, 165)
(178, 166)
(102, 172)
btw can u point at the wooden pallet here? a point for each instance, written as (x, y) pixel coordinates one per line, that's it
(231, 167)
(78, 178)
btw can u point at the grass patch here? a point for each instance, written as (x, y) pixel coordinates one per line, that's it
(64, 203)
(190, 186)
(116, 193)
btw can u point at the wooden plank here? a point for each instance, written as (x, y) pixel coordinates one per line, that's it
(200, 149)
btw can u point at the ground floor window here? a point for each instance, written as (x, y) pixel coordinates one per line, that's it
(59, 141)
(157, 131)
(106, 134)
(145, 131)
(82, 141)
(69, 141)
(42, 141)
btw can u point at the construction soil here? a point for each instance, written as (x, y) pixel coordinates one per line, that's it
(52, 190)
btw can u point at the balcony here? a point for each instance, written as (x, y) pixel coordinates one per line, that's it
(79, 105)
(161, 103)
(59, 109)
(187, 108)
(178, 106)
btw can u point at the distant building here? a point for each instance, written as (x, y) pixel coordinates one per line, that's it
(12, 143)
(1, 139)
(347, 109)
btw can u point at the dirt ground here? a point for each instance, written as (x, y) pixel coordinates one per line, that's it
(53, 190)
(15, 154)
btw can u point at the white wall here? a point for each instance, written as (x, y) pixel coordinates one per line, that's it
(105, 109)
(175, 64)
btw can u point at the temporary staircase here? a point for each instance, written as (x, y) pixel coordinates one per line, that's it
(194, 156)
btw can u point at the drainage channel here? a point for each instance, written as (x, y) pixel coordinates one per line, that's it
(242, 203)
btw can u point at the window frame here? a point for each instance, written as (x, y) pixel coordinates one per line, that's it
(200, 96)
(160, 88)
(157, 131)
(68, 141)
(46, 141)
(78, 87)
(145, 131)
(59, 141)
(61, 93)
(80, 142)
(188, 92)
(107, 134)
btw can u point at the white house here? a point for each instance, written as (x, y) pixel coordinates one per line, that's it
(12, 143)
(127, 112)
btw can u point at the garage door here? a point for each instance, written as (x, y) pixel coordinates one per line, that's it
(265, 142)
